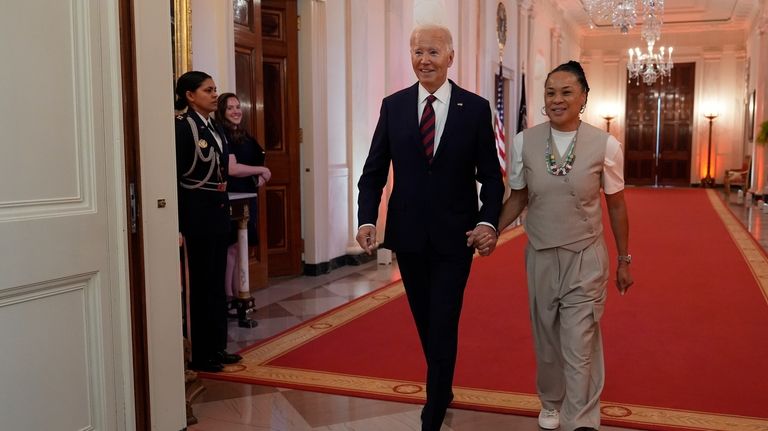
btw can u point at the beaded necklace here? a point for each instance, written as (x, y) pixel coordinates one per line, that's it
(566, 165)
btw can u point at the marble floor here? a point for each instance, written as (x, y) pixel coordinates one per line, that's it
(226, 406)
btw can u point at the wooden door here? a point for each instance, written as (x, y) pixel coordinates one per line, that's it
(248, 74)
(640, 141)
(279, 36)
(659, 130)
(676, 129)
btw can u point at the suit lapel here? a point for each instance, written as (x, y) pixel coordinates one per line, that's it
(451, 120)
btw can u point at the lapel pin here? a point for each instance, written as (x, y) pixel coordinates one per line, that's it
(459, 104)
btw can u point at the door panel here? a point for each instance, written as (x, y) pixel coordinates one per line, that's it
(663, 110)
(640, 155)
(56, 302)
(281, 115)
(249, 90)
(676, 126)
(274, 95)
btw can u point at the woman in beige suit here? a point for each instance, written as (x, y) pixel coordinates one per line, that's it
(558, 170)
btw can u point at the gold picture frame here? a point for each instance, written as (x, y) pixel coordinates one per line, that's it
(181, 34)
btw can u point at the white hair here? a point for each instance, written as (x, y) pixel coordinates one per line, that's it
(445, 30)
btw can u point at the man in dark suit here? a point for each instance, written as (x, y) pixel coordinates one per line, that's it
(439, 140)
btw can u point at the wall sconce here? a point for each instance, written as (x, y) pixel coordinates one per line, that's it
(708, 181)
(608, 118)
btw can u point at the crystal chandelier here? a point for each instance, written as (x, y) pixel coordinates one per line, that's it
(652, 20)
(649, 65)
(623, 14)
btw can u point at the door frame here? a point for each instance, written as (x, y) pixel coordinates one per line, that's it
(136, 287)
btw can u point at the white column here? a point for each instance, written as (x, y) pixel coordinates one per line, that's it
(366, 87)
(556, 43)
(314, 120)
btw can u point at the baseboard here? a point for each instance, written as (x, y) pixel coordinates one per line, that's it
(315, 269)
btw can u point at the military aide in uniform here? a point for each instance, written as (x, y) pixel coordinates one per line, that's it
(201, 169)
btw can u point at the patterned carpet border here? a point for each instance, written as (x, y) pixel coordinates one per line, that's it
(257, 369)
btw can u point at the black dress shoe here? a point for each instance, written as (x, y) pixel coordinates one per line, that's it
(433, 413)
(228, 358)
(209, 366)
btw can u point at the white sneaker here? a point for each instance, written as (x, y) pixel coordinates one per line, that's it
(549, 419)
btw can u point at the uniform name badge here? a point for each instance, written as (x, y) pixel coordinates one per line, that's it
(202, 144)
(222, 187)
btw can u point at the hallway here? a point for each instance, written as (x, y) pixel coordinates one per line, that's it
(235, 406)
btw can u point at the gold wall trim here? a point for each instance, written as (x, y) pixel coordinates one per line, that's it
(182, 37)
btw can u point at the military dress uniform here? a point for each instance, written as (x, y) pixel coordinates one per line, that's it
(202, 156)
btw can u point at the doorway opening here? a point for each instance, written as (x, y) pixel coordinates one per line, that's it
(659, 132)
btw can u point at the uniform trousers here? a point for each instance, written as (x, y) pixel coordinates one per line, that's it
(207, 254)
(567, 292)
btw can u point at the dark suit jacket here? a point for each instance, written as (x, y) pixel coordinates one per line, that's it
(201, 212)
(432, 204)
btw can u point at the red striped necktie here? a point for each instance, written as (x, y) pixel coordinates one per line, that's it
(427, 128)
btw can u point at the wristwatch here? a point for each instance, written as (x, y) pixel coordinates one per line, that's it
(627, 258)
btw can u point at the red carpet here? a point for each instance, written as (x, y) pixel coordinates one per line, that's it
(685, 349)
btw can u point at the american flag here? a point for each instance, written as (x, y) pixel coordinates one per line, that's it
(522, 116)
(498, 124)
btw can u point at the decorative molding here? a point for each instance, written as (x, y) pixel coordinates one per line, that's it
(712, 55)
(82, 196)
(526, 8)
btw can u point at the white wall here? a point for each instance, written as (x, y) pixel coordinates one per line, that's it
(213, 41)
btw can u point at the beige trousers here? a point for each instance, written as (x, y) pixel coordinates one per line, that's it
(567, 292)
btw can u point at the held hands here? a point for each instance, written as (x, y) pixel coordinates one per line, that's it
(366, 237)
(483, 238)
(623, 278)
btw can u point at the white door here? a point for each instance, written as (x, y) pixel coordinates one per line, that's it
(63, 318)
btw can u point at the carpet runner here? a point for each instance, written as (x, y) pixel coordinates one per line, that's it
(685, 349)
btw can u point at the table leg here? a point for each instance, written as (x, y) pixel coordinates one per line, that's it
(244, 301)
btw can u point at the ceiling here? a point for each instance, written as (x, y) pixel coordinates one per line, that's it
(679, 15)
